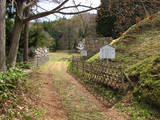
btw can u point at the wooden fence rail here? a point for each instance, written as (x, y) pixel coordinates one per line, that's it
(111, 76)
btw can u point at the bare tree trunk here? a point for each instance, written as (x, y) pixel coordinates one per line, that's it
(12, 57)
(2, 35)
(26, 38)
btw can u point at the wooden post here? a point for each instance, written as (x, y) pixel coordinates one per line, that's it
(107, 61)
(83, 68)
(72, 62)
(37, 61)
(122, 77)
(91, 68)
(77, 65)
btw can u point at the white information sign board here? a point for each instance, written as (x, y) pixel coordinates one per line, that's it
(107, 52)
(83, 53)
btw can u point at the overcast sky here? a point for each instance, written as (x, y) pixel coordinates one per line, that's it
(50, 5)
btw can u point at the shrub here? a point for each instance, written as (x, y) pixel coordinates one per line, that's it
(9, 81)
(22, 65)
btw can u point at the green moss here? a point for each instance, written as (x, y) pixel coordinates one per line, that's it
(148, 89)
(138, 111)
(93, 58)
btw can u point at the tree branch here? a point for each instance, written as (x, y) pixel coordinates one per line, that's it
(59, 9)
(30, 4)
(43, 14)
(73, 13)
(63, 3)
(76, 6)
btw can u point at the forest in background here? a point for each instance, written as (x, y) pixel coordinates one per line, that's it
(62, 34)
(112, 20)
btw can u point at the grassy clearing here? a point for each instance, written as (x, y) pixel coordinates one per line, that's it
(60, 55)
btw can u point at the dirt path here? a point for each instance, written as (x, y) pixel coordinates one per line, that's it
(50, 101)
(63, 98)
(111, 113)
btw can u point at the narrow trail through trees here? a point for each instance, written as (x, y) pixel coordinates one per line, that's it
(64, 98)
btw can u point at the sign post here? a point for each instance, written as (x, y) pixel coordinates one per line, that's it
(107, 52)
(83, 54)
